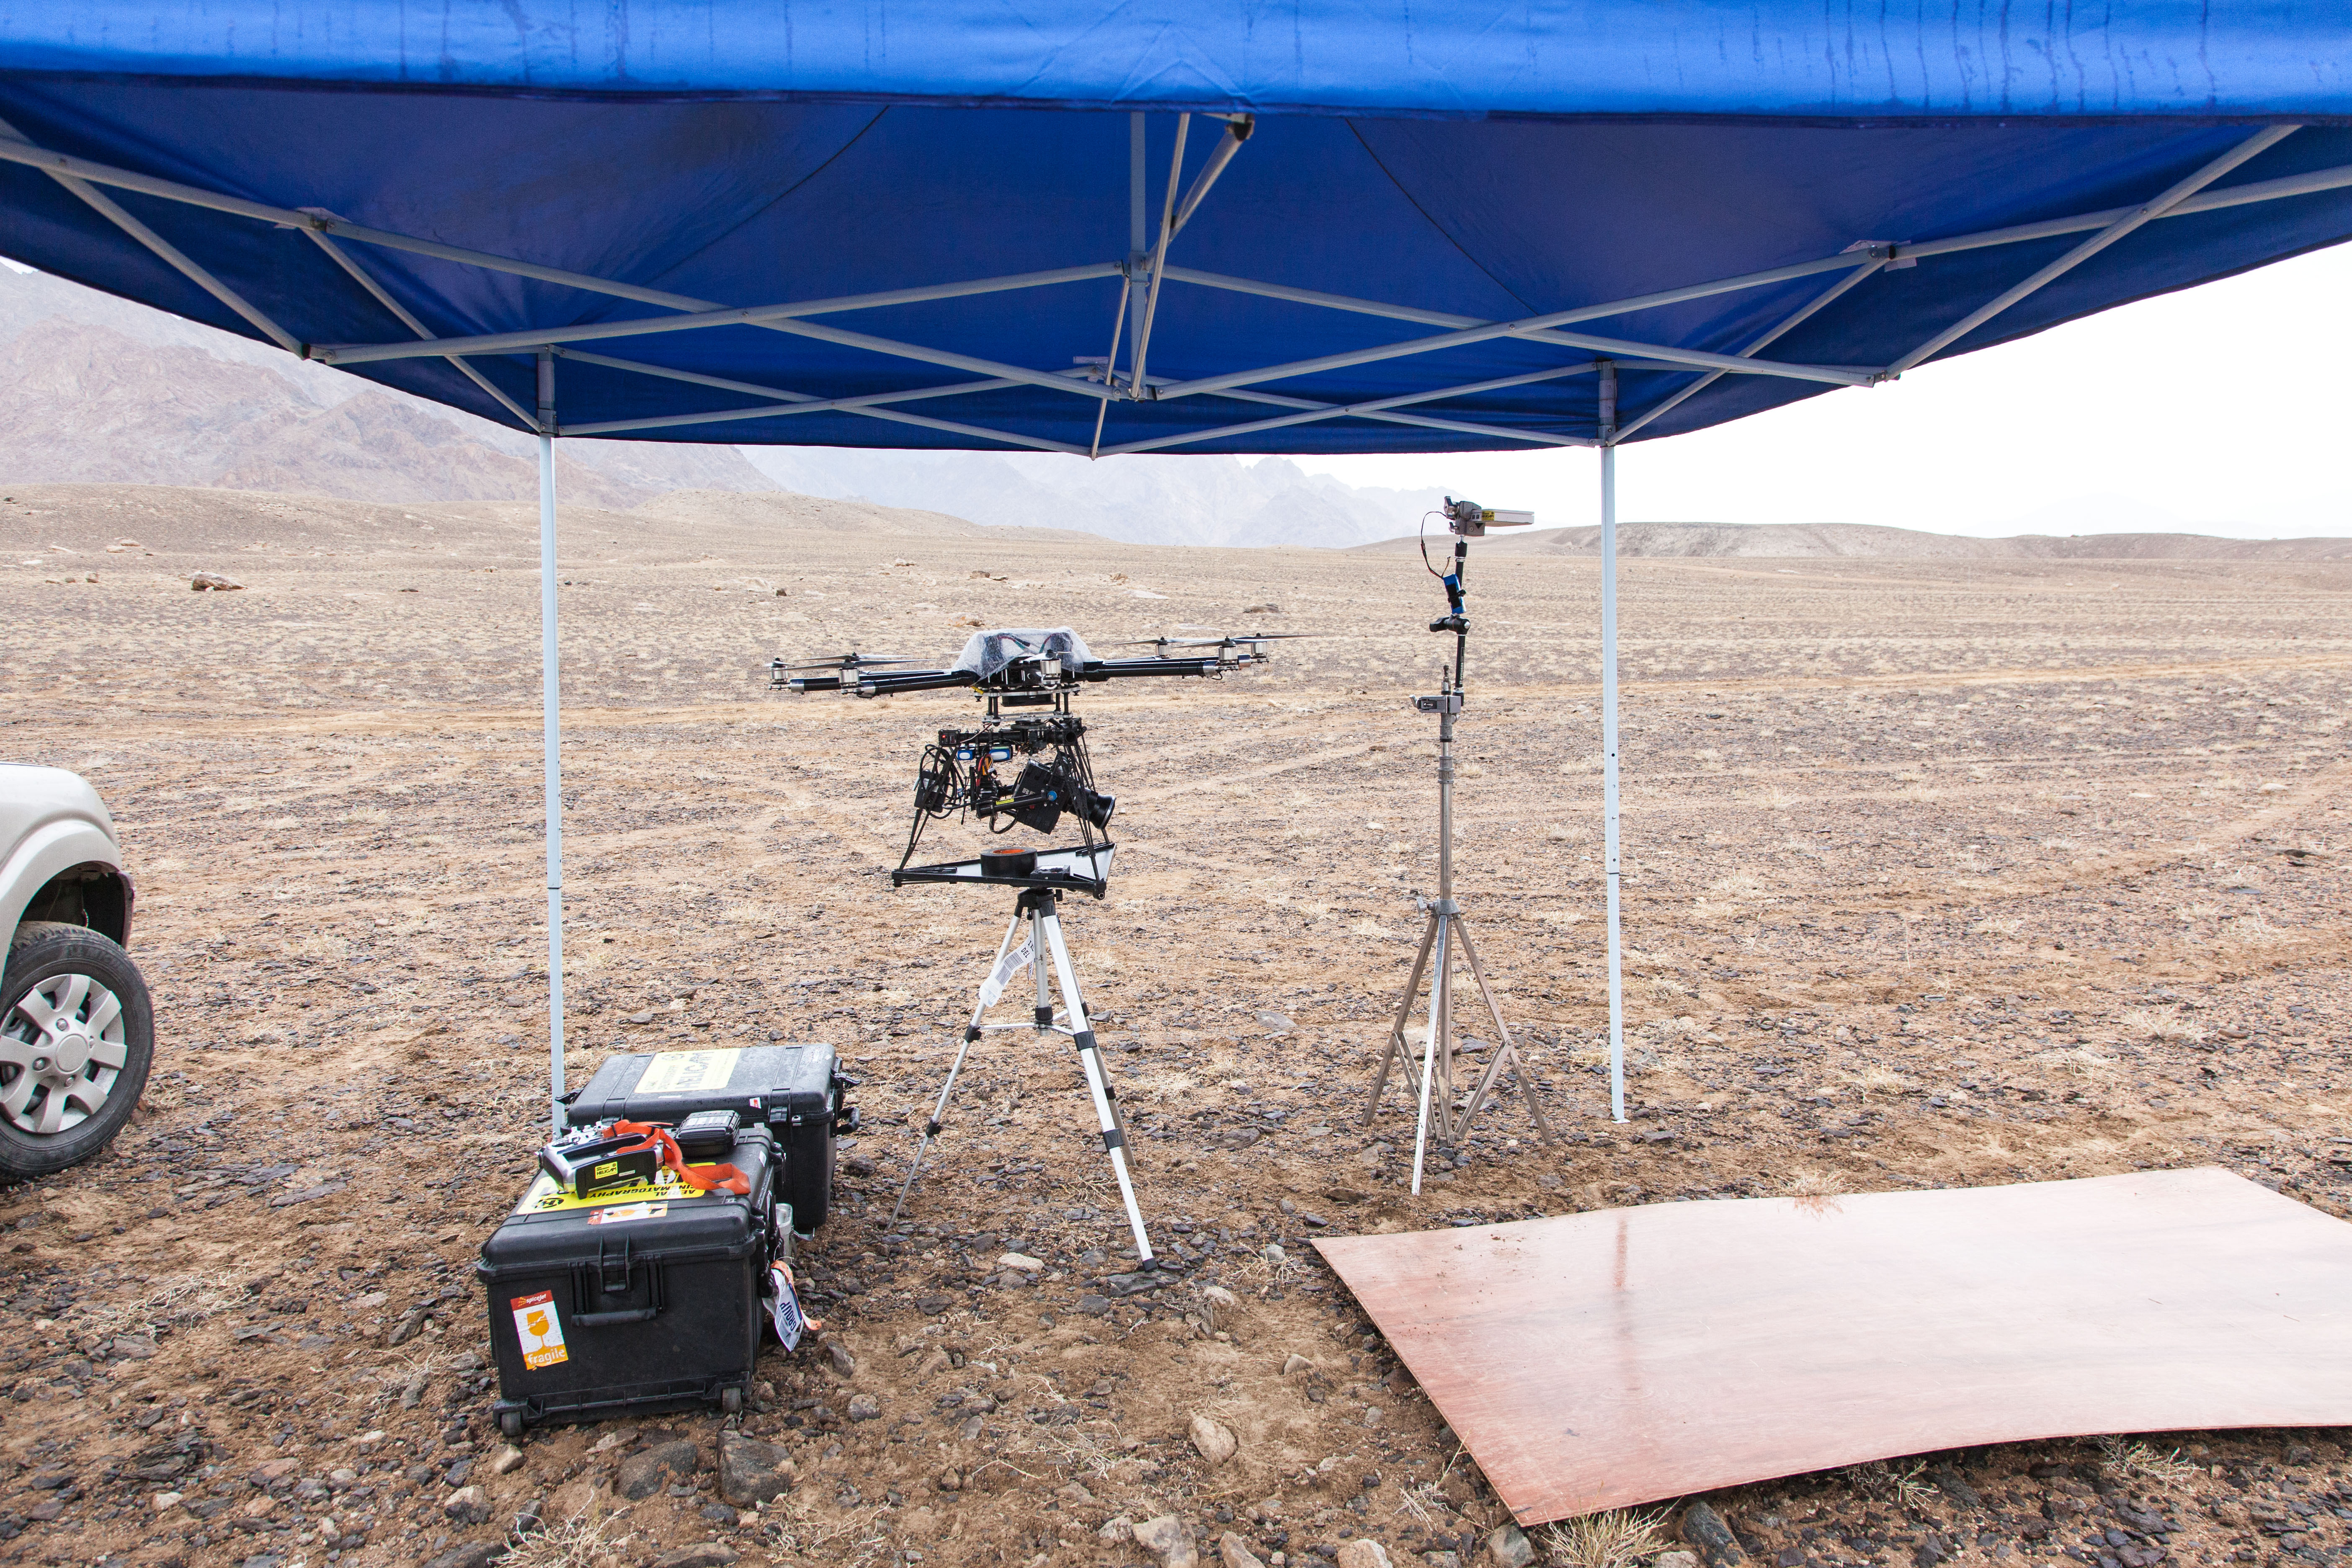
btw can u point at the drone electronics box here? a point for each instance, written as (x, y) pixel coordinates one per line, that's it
(796, 1091)
(633, 1298)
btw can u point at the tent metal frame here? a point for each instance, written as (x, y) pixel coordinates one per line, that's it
(1143, 273)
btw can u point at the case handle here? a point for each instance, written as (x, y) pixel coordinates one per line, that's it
(599, 1320)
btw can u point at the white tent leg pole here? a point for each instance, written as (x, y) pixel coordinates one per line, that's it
(1608, 740)
(552, 736)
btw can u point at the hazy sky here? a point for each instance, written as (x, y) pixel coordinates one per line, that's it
(2222, 409)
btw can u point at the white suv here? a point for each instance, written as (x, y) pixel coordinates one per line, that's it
(76, 1029)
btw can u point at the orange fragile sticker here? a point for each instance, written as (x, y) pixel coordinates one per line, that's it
(538, 1330)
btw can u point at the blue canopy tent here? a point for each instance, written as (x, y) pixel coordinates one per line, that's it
(1223, 226)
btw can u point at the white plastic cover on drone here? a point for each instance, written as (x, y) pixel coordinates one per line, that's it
(989, 652)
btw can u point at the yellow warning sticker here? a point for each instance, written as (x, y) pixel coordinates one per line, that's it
(538, 1329)
(687, 1072)
(543, 1196)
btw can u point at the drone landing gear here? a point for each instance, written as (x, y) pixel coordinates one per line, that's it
(1038, 909)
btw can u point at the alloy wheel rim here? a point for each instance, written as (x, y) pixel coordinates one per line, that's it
(61, 1053)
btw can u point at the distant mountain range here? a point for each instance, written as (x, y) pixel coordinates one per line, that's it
(1143, 500)
(97, 390)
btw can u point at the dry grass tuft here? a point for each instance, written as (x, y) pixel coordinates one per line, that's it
(1883, 1482)
(589, 1538)
(2138, 1458)
(2157, 1025)
(2080, 1062)
(1615, 1539)
(184, 1299)
(1881, 1081)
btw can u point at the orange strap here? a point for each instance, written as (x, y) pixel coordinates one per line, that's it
(701, 1178)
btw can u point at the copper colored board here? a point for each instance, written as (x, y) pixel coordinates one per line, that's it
(1626, 1355)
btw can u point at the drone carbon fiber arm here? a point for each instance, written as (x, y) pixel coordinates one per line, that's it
(885, 683)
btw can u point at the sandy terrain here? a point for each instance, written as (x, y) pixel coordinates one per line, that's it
(1937, 873)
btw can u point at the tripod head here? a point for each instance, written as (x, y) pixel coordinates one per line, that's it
(1466, 519)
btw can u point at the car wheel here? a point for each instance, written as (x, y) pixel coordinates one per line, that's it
(77, 1038)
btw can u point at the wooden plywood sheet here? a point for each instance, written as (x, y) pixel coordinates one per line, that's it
(1599, 1360)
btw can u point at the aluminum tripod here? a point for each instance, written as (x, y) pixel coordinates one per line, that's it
(1435, 1070)
(1039, 909)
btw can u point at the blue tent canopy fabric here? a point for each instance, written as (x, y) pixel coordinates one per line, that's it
(1840, 63)
(1448, 171)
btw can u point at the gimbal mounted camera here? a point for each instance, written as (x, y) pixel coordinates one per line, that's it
(974, 770)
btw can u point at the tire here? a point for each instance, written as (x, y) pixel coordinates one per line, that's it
(731, 1401)
(510, 1426)
(75, 1019)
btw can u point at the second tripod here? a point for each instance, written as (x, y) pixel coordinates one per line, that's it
(1038, 909)
(1434, 1076)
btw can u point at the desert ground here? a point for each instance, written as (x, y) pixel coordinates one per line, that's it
(1937, 873)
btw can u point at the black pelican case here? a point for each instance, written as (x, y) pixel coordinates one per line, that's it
(635, 1300)
(796, 1091)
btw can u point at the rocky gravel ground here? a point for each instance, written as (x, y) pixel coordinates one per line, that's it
(1937, 874)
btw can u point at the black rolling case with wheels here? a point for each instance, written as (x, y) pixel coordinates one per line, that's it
(795, 1089)
(637, 1299)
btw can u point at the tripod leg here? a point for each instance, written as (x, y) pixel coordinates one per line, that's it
(1395, 1050)
(1432, 1047)
(971, 1032)
(1507, 1052)
(1082, 1037)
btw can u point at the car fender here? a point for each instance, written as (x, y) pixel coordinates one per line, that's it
(47, 850)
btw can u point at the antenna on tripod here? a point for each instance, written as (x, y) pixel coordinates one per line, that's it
(1468, 520)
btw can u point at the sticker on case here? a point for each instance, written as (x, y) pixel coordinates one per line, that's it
(538, 1330)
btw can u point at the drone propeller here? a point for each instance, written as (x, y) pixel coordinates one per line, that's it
(1235, 641)
(848, 661)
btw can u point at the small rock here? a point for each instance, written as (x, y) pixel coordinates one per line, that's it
(865, 1407)
(719, 1514)
(1675, 1559)
(1364, 1552)
(1115, 1530)
(165, 1501)
(1275, 1023)
(214, 582)
(843, 1362)
(134, 1348)
(1094, 1305)
(752, 1472)
(1236, 1553)
(1296, 1364)
(1169, 1539)
(709, 1555)
(1021, 1261)
(466, 1505)
(1947, 1481)
(510, 1460)
(1704, 1528)
(643, 1475)
(1509, 1546)
(1075, 1493)
(1223, 1305)
(950, 1479)
(472, 1554)
(1215, 1443)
